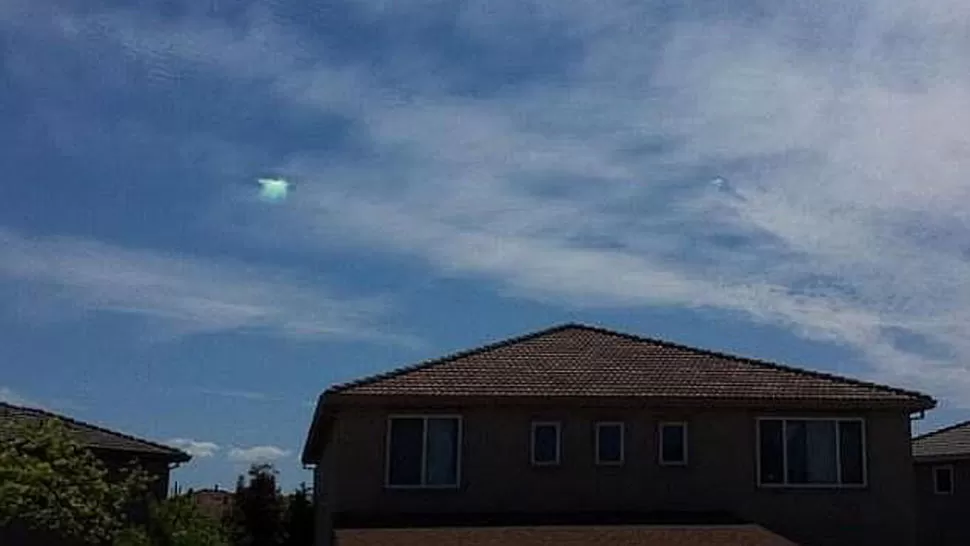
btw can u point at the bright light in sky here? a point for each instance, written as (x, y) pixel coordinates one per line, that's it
(273, 189)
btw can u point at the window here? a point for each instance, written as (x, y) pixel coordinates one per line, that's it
(811, 452)
(943, 480)
(423, 451)
(545, 443)
(673, 443)
(609, 443)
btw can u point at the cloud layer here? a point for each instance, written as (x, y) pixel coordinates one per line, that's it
(257, 454)
(837, 135)
(195, 448)
(182, 294)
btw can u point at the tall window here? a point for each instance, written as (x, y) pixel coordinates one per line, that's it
(546, 440)
(673, 443)
(423, 451)
(943, 480)
(811, 452)
(609, 443)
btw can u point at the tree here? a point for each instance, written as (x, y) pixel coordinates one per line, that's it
(50, 482)
(256, 517)
(299, 518)
(178, 521)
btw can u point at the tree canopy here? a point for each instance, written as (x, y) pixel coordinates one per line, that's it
(50, 482)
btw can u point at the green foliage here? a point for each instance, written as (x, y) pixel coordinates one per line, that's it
(133, 536)
(299, 518)
(49, 481)
(178, 521)
(256, 517)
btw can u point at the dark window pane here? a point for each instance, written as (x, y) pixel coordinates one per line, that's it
(851, 452)
(442, 463)
(770, 452)
(609, 443)
(673, 448)
(795, 449)
(406, 445)
(545, 444)
(821, 452)
(943, 477)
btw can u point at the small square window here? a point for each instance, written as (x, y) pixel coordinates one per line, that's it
(546, 449)
(609, 443)
(943, 480)
(673, 443)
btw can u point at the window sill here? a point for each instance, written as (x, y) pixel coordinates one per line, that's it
(609, 464)
(674, 463)
(554, 464)
(422, 487)
(812, 486)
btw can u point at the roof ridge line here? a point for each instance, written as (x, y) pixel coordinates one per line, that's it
(758, 362)
(947, 428)
(424, 364)
(67, 419)
(338, 388)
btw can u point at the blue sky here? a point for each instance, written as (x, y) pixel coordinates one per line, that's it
(778, 179)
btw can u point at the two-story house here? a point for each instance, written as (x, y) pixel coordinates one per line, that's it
(577, 429)
(942, 490)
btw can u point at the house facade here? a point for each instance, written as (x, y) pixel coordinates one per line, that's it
(577, 424)
(943, 485)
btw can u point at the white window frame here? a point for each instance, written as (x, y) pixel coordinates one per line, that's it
(838, 456)
(424, 451)
(596, 447)
(936, 483)
(660, 442)
(532, 443)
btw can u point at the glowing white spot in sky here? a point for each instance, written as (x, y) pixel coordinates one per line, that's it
(273, 189)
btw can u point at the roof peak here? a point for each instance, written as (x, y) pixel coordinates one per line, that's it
(422, 365)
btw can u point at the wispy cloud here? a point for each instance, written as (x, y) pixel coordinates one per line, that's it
(195, 448)
(229, 393)
(184, 294)
(840, 133)
(11, 396)
(257, 454)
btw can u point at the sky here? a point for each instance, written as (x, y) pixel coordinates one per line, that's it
(774, 178)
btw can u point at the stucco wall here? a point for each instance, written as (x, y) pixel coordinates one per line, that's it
(497, 475)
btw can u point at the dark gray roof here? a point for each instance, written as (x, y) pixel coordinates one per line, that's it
(949, 442)
(95, 437)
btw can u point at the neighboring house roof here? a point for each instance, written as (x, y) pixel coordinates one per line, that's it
(949, 442)
(732, 535)
(574, 360)
(214, 502)
(95, 437)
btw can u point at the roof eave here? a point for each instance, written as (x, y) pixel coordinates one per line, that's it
(910, 405)
(314, 443)
(176, 456)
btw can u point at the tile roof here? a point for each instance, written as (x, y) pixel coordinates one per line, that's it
(95, 437)
(733, 535)
(583, 361)
(951, 441)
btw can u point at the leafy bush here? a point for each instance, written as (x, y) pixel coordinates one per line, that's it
(50, 482)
